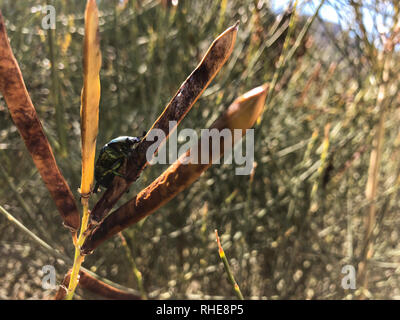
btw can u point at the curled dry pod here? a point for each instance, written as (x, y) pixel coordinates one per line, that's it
(242, 114)
(24, 115)
(216, 56)
(95, 286)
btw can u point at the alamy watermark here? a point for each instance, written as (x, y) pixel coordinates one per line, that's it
(209, 149)
(49, 20)
(349, 280)
(49, 277)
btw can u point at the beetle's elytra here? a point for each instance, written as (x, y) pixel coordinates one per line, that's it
(111, 157)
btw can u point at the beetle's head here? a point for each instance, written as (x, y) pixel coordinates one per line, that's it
(131, 141)
(129, 144)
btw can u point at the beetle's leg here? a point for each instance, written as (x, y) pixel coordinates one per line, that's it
(118, 174)
(96, 188)
(115, 167)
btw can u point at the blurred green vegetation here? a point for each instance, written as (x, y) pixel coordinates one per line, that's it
(290, 227)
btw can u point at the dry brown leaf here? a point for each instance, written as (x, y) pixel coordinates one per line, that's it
(90, 98)
(24, 115)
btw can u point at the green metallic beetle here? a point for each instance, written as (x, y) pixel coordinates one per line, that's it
(111, 158)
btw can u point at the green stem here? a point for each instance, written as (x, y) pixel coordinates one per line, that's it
(228, 269)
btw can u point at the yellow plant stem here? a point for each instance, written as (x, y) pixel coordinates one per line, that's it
(78, 257)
